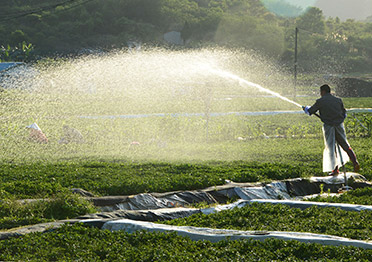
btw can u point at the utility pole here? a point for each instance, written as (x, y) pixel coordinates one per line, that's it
(295, 63)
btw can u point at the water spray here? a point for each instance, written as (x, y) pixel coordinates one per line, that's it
(251, 84)
(102, 95)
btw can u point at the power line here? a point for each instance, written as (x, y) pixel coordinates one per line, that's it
(36, 10)
(41, 9)
(73, 6)
(309, 32)
(30, 9)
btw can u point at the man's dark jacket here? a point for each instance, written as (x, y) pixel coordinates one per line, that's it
(331, 109)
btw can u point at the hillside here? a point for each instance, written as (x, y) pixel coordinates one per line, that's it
(69, 26)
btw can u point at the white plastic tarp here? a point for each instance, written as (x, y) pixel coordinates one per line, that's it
(307, 204)
(215, 209)
(291, 203)
(339, 179)
(215, 235)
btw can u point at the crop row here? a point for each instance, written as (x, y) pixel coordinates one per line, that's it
(38, 180)
(77, 243)
(257, 216)
(360, 196)
(66, 205)
(123, 178)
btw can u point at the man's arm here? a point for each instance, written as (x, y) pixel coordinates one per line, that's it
(314, 107)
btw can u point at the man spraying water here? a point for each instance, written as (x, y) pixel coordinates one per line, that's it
(332, 113)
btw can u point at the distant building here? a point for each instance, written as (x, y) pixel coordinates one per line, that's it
(173, 38)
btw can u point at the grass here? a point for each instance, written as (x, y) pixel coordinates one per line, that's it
(74, 243)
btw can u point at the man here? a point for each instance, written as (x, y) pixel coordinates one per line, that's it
(71, 135)
(332, 113)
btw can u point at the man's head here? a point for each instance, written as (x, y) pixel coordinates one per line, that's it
(325, 89)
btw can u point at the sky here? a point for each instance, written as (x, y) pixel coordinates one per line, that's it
(302, 3)
(344, 9)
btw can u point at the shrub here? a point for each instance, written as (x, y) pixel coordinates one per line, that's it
(61, 206)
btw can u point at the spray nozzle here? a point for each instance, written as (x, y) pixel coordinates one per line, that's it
(306, 109)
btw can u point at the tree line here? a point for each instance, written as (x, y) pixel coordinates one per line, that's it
(41, 27)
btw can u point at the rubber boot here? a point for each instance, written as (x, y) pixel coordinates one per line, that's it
(335, 172)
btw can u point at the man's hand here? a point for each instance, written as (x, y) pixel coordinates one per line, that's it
(306, 109)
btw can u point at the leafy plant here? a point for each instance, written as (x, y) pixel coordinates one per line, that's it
(77, 242)
(257, 217)
(35, 180)
(359, 196)
(19, 53)
(61, 206)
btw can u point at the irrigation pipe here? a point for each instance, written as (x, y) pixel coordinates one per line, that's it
(360, 123)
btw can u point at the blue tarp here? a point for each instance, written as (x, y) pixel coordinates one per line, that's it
(7, 65)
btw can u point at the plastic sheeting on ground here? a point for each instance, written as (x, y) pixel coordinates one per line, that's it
(339, 179)
(215, 235)
(145, 215)
(287, 189)
(144, 201)
(147, 201)
(210, 210)
(307, 204)
(153, 201)
(296, 187)
(291, 203)
(163, 214)
(273, 190)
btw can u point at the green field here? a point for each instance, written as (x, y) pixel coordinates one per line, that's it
(173, 153)
(156, 116)
(82, 243)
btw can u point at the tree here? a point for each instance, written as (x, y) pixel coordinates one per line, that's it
(252, 33)
(18, 36)
(312, 20)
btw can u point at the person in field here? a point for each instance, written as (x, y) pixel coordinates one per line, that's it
(71, 135)
(36, 135)
(333, 113)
